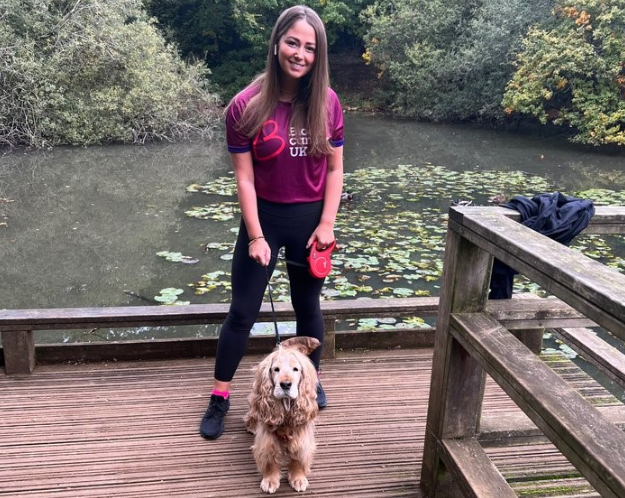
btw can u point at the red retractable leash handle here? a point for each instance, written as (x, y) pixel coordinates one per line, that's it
(319, 261)
(319, 265)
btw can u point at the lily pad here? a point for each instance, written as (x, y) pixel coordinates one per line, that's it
(392, 234)
(168, 296)
(177, 257)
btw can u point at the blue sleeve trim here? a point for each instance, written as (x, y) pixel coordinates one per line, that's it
(239, 150)
(336, 143)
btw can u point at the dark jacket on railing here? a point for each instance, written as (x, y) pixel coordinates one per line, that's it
(555, 215)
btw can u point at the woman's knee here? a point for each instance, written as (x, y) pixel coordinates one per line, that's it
(239, 322)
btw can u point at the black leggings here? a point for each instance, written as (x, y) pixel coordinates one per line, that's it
(284, 225)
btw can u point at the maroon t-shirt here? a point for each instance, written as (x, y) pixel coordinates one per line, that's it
(283, 172)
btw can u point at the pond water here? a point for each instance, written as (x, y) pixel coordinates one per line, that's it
(130, 225)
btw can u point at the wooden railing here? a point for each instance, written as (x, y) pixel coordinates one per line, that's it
(526, 319)
(472, 341)
(19, 326)
(20, 354)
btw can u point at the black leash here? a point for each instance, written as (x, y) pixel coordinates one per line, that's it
(288, 261)
(273, 309)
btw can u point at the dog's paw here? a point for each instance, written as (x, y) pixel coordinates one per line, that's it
(298, 483)
(270, 484)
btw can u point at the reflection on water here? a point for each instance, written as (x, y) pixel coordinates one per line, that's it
(86, 223)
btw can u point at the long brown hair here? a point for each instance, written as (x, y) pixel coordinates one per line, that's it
(310, 106)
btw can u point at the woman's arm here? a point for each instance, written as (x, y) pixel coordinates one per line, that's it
(324, 234)
(244, 174)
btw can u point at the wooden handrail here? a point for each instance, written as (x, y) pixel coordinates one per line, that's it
(563, 415)
(473, 338)
(583, 283)
(20, 354)
(607, 219)
(194, 314)
(514, 314)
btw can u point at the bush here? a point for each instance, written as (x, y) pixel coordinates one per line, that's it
(447, 60)
(573, 72)
(92, 72)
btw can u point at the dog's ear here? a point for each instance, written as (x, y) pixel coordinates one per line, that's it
(306, 403)
(304, 345)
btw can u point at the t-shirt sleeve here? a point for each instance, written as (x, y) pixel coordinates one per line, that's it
(237, 141)
(336, 123)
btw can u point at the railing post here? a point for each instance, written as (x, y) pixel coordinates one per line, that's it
(457, 386)
(19, 351)
(532, 338)
(329, 339)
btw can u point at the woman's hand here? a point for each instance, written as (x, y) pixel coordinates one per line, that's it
(323, 235)
(260, 251)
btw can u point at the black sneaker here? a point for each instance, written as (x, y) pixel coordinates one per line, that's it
(212, 425)
(322, 401)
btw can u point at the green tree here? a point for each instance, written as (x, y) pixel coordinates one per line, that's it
(572, 72)
(447, 60)
(210, 31)
(231, 35)
(93, 71)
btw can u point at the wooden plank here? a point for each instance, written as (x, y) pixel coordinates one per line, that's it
(521, 313)
(18, 349)
(385, 339)
(595, 446)
(130, 429)
(589, 286)
(131, 316)
(595, 350)
(513, 428)
(123, 316)
(472, 469)
(607, 219)
(456, 390)
(14, 321)
(173, 348)
(417, 306)
(513, 314)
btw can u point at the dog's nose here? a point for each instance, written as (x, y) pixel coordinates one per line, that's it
(286, 385)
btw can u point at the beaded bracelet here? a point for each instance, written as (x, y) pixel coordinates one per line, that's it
(254, 240)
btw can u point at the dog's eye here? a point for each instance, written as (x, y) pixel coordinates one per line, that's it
(276, 369)
(295, 369)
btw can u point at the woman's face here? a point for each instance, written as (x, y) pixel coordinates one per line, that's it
(296, 51)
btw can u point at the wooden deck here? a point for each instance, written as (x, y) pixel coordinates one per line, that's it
(130, 429)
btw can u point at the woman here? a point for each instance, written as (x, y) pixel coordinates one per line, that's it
(285, 138)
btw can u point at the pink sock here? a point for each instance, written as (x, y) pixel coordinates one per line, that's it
(223, 394)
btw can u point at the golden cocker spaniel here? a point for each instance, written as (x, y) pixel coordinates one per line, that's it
(283, 406)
